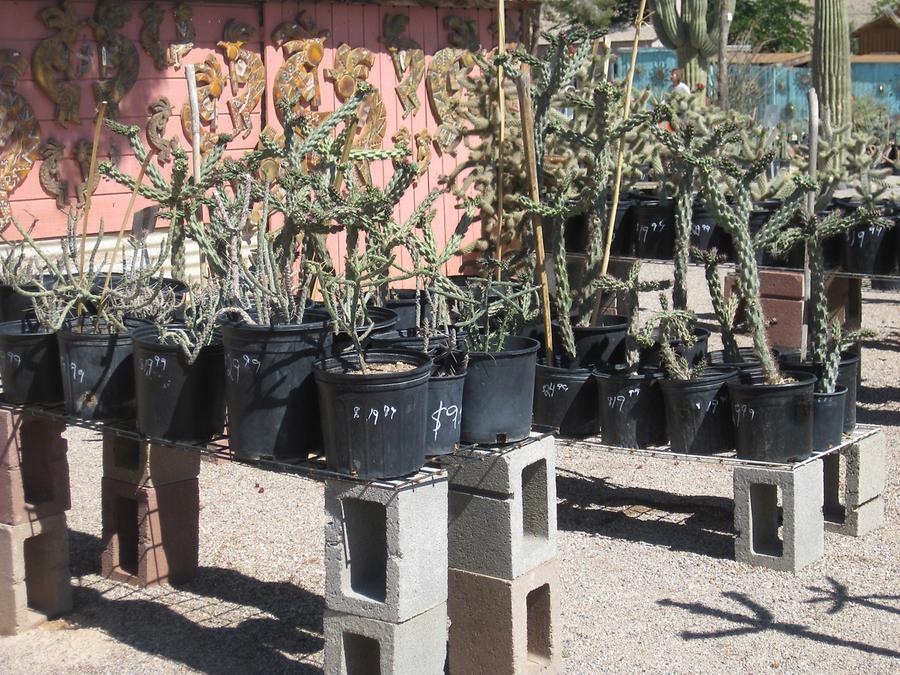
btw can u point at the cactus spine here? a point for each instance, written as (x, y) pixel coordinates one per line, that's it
(831, 60)
(693, 33)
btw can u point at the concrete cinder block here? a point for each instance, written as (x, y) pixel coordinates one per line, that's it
(503, 511)
(145, 464)
(855, 506)
(860, 520)
(865, 469)
(385, 549)
(758, 517)
(356, 645)
(35, 582)
(151, 535)
(505, 627)
(34, 472)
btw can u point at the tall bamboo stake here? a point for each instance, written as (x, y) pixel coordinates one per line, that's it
(617, 182)
(810, 209)
(523, 88)
(191, 77)
(501, 132)
(92, 176)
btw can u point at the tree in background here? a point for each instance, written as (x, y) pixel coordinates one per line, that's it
(592, 13)
(773, 25)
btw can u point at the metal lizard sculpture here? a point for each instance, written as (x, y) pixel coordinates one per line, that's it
(160, 112)
(447, 67)
(48, 174)
(298, 78)
(408, 58)
(246, 73)
(51, 61)
(20, 132)
(83, 157)
(210, 86)
(119, 60)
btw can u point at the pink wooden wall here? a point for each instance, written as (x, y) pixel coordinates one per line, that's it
(357, 25)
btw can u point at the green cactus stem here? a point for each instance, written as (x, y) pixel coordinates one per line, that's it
(725, 310)
(693, 33)
(831, 61)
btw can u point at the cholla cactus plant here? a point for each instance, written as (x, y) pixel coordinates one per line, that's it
(669, 325)
(725, 310)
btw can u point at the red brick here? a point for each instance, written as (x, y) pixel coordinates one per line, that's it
(779, 284)
(151, 535)
(145, 464)
(787, 331)
(34, 472)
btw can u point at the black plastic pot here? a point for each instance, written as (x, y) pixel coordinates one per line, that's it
(773, 422)
(273, 402)
(652, 356)
(706, 234)
(869, 250)
(177, 400)
(828, 418)
(848, 376)
(29, 363)
(373, 426)
(566, 400)
(445, 406)
(793, 259)
(654, 230)
(383, 320)
(404, 306)
(408, 338)
(97, 372)
(698, 412)
(602, 344)
(499, 393)
(632, 413)
(15, 306)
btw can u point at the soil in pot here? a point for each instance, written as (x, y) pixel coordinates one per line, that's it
(773, 422)
(97, 372)
(652, 356)
(828, 418)
(698, 412)
(848, 376)
(632, 413)
(567, 400)
(654, 230)
(499, 393)
(273, 402)
(177, 400)
(29, 363)
(373, 425)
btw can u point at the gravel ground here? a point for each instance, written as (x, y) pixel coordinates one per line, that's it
(647, 579)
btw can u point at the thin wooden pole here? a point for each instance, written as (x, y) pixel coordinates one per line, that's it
(523, 88)
(810, 211)
(191, 77)
(92, 176)
(617, 181)
(501, 131)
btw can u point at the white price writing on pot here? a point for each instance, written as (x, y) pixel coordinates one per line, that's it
(373, 415)
(618, 402)
(155, 364)
(243, 362)
(549, 390)
(451, 412)
(743, 412)
(76, 372)
(13, 359)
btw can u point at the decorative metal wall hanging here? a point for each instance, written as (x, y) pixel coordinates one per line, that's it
(48, 175)
(152, 15)
(298, 78)
(82, 152)
(210, 86)
(160, 112)
(444, 73)
(513, 31)
(352, 66)
(408, 59)
(119, 61)
(20, 132)
(423, 150)
(85, 59)
(246, 73)
(51, 61)
(185, 33)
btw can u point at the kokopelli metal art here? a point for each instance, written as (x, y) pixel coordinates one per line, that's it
(160, 112)
(447, 68)
(52, 62)
(408, 59)
(83, 157)
(246, 74)
(210, 86)
(297, 80)
(20, 132)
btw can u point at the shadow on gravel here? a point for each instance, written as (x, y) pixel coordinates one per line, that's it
(702, 525)
(839, 597)
(759, 620)
(877, 396)
(146, 620)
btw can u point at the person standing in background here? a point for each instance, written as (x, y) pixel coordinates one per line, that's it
(678, 86)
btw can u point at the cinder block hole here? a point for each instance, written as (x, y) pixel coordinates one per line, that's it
(834, 471)
(126, 519)
(37, 477)
(365, 531)
(535, 519)
(537, 607)
(765, 520)
(362, 655)
(42, 564)
(127, 454)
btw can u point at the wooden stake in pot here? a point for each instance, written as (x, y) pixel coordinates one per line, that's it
(92, 177)
(191, 77)
(810, 210)
(501, 131)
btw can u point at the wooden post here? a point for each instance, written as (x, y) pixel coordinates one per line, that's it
(501, 131)
(191, 77)
(810, 211)
(92, 176)
(523, 88)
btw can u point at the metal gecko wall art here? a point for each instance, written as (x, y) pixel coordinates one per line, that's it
(185, 34)
(82, 152)
(408, 58)
(210, 86)
(20, 132)
(246, 74)
(52, 63)
(160, 112)
(297, 79)
(352, 66)
(119, 60)
(48, 174)
(444, 73)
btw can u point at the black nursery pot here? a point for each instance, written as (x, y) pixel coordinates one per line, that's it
(601, 344)
(566, 400)
(177, 400)
(273, 403)
(373, 425)
(654, 230)
(773, 422)
(404, 305)
(14, 306)
(706, 234)
(445, 405)
(499, 393)
(828, 418)
(793, 259)
(408, 338)
(698, 412)
(97, 372)
(848, 376)
(869, 250)
(632, 413)
(652, 356)
(383, 321)
(29, 363)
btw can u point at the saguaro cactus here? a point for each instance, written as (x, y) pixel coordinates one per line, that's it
(831, 60)
(693, 33)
